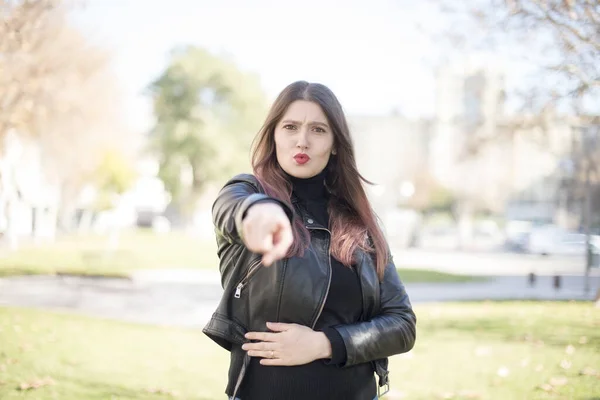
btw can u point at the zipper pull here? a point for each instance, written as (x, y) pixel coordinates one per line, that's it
(238, 291)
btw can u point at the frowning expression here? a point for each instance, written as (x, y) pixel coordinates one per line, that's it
(303, 140)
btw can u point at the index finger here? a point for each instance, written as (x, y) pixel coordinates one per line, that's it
(262, 336)
(285, 239)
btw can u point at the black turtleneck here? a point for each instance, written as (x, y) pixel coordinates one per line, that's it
(321, 379)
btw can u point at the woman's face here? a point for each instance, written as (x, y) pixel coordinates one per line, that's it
(303, 140)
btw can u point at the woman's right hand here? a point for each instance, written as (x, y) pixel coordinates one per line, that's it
(267, 230)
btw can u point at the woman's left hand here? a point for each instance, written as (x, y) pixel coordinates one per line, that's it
(288, 344)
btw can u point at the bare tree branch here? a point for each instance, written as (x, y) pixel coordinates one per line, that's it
(564, 28)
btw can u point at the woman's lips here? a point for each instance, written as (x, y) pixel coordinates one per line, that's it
(301, 158)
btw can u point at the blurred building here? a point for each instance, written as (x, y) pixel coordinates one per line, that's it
(391, 150)
(29, 198)
(509, 164)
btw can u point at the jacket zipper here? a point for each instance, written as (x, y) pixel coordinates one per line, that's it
(329, 281)
(251, 271)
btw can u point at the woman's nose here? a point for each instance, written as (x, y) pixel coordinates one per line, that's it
(302, 139)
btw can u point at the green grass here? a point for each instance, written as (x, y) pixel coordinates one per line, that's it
(409, 275)
(504, 350)
(88, 255)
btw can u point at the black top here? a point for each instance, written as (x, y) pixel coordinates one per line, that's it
(321, 379)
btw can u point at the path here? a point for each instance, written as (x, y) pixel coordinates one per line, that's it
(188, 298)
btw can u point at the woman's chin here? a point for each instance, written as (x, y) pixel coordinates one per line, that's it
(302, 171)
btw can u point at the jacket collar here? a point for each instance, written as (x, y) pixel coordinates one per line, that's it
(309, 220)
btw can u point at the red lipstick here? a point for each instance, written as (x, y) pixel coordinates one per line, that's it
(301, 158)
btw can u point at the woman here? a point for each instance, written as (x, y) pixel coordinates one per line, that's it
(312, 302)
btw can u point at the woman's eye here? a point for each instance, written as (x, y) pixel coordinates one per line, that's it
(320, 130)
(289, 127)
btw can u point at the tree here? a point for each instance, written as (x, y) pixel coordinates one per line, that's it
(559, 38)
(207, 112)
(114, 174)
(56, 94)
(74, 139)
(430, 195)
(28, 81)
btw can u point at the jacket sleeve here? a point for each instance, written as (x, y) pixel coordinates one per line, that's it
(392, 331)
(232, 204)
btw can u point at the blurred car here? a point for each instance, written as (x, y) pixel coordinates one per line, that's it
(553, 240)
(517, 235)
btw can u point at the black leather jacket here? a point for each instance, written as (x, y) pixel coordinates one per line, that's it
(294, 290)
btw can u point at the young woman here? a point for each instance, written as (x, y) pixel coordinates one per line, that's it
(312, 304)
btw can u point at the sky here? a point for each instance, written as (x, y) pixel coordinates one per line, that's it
(369, 53)
(378, 56)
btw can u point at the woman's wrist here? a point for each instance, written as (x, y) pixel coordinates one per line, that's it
(324, 346)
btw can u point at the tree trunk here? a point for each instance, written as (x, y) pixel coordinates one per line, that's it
(8, 204)
(587, 216)
(65, 217)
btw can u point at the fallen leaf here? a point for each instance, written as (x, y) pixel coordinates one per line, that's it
(588, 371)
(469, 394)
(25, 347)
(497, 381)
(71, 363)
(546, 387)
(172, 393)
(558, 381)
(447, 395)
(2, 367)
(483, 351)
(583, 340)
(10, 361)
(570, 349)
(565, 364)
(37, 383)
(527, 338)
(395, 394)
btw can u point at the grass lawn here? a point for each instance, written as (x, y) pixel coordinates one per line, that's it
(409, 275)
(140, 249)
(87, 255)
(503, 350)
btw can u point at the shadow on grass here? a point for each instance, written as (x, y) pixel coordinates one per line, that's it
(93, 275)
(21, 271)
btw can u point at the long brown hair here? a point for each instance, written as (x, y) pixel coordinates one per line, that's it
(353, 223)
